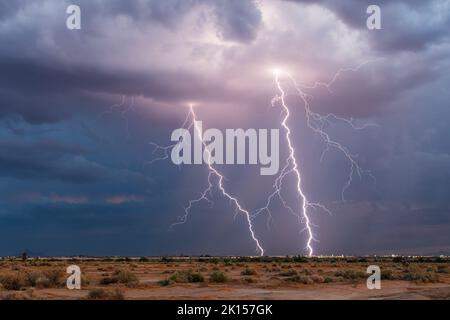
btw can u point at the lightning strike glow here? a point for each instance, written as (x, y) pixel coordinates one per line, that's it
(293, 161)
(316, 123)
(212, 171)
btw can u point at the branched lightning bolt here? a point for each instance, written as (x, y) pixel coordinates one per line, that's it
(123, 112)
(292, 166)
(316, 122)
(187, 124)
(213, 172)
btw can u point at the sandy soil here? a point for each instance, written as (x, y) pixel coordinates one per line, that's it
(193, 279)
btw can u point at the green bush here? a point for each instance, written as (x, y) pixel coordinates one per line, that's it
(248, 279)
(196, 277)
(317, 278)
(12, 282)
(248, 272)
(186, 276)
(300, 279)
(442, 269)
(53, 277)
(164, 282)
(350, 274)
(97, 294)
(102, 294)
(289, 273)
(300, 259)
(420, 277)
(218, 277)
(121, 276)
(387, 274)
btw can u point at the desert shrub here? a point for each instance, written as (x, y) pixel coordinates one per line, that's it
(97, 294)
(36, 279)
(116, 294)
(276, 269)
(16, 296)
(196, 277)
(248, 279)
(317, 279)
(387, 274)
(300, 259)
(144, 259)
(218, 277)
(12, 282)
(442, 269)
(248, 272)
(185, 277)
(328, 280)
(307, 272)
(180, 277)
(85, 280)
(167, 271)
(398, 260)
(125, 276)
(164, 282)
(420, 277)
(350, 274)
(122, 276)
(300, 279)
(108, 280)
(289, 273)
(53, 278)
(102, 294)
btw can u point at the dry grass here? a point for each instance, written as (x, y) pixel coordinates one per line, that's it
(171, 277)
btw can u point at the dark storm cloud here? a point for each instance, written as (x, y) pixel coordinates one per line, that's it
(235, 19)
(238, 20)
(46, 160)
(355, 95)
(407, 25)
(71, 192)
(49, 86)
(38, 83)
(9, 8)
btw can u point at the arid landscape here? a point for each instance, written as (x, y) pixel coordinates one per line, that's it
(226, 278)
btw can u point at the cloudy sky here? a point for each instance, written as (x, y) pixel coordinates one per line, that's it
(79, 108)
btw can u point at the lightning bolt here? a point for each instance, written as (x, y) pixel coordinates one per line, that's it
(316, 122)
(124, 110)
(291, 163)
(213, 172)
(164, 150)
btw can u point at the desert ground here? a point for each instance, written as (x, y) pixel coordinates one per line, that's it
(226, 278)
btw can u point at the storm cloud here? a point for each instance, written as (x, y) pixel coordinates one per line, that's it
(78, 109)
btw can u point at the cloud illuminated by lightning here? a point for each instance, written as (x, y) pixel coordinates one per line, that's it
(316, 123)
(204, 195)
